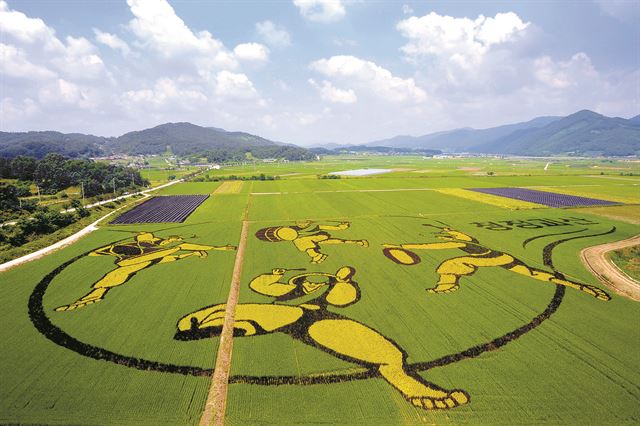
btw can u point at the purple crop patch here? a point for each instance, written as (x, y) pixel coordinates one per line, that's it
(550, 199)
(173, 208)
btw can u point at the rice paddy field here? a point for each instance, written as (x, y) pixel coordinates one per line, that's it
(398, 298)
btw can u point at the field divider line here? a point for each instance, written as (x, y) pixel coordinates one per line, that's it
(214, 409)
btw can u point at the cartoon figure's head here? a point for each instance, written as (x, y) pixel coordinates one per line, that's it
(448, 234)
(312, 281)
(274, 234)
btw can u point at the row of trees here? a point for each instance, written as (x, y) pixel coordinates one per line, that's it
(54, 173)
(261, 176)
(287, 152)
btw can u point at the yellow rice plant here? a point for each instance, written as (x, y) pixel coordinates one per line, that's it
(494, 200)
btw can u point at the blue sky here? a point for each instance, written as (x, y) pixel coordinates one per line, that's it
(313, 71)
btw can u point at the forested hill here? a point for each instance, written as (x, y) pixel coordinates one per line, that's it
(585, 133)
(582, 133)
(39, 144)
(183, 139)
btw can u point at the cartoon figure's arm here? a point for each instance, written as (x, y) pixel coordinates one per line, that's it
(270, 285)
(427, 246)
(339, 227)
(200, 249)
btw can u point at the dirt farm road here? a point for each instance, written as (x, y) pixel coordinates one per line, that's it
(595, 259)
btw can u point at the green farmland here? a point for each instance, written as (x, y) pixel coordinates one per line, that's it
(512, 342)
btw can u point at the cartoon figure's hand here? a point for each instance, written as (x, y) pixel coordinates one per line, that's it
(201, 253)
(344, 224)
(278, 271)
(77, 305)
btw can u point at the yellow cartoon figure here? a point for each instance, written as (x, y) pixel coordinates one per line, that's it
(477, 256)
(311, 322)
(307, 237)
(133, 256)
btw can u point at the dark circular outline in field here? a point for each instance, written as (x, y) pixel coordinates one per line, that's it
(58, 336)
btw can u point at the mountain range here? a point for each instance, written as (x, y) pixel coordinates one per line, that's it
(582, 133)
(182, 138)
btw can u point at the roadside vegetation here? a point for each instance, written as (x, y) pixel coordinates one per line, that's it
(55, 173)
(628, 260)
(47, 227)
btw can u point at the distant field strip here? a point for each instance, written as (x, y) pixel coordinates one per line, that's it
(229, 187)
(172, 208)
(629, 214)
(507, 203)
(612, 192)
(551, 199)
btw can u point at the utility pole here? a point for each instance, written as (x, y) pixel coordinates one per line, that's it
(39, 197)
(82, 187)
(113, 181)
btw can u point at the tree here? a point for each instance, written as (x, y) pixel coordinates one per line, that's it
(51, 174)
(5, 168)
(23, 168)
(9, 198)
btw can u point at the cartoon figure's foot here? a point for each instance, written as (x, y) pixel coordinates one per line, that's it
(443, 288)
(448, 400)
(77, 305)
(363, 243)
(595, 292)
(319, 258)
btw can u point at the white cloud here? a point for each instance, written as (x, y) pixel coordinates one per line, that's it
(112, 41)
(14, 63)
(158, 27)
(76, 57)
(562, 74)
(252, 52)
(21, 28)
(330, 93)
(68, 94)
(272, 34)
(324, 11)
(371, 78)
(166, 93)
(461, 41)
(234, 85)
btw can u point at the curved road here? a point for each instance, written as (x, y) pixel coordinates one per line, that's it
(595, 259)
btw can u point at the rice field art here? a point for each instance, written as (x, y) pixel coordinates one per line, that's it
(550, 199)
(171, 208)
(132, 256)
(314, 324)
(382, 307)
(307, 237)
